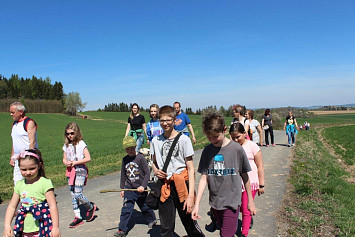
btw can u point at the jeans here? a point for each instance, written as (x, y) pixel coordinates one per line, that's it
(139, 141)
(291, 137)
(130, 198)
(167, 213)
(271, 130)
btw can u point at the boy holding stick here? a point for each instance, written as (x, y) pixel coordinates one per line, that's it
(134, 175)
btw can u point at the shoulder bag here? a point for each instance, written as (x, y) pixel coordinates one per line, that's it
(153, 197)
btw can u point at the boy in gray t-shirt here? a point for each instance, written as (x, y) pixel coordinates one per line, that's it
(177, 193)
(222, 166)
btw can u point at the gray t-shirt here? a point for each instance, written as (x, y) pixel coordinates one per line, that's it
(223, 166)
(267, 120)
(160, 147)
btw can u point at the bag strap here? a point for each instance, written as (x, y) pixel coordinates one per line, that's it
(168, 158)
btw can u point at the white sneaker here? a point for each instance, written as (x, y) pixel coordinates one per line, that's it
(293, 144)
(289, 145)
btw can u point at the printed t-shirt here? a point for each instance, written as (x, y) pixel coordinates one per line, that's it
(223, 167)
(32, 194)
(134, 172)
(75, 153)
(251, 149)
(181, 122)
(160, 147)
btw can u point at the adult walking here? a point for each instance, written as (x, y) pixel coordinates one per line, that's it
(266, 123)
(238, 116)
(255, 130)
(183, 122)
(291, 128)
(136, 126)
(24, 135)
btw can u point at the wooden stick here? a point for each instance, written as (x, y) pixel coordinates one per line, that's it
(121, 189)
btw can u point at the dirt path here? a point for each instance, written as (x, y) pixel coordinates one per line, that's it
(276, 162)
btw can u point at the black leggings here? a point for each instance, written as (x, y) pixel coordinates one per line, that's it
(271, 135)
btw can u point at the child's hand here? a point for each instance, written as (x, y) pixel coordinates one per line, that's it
(122, 194)
(12, 162)
(160, 174)
(140, 189)
(261, 191)
(194, 213)
(8, 232)
(55, 232)
(189, 204)
(251, 207)
(69, 163)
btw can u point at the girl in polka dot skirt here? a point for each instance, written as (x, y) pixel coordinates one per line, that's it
(38, 214)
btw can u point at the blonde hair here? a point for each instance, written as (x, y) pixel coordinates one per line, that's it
(77, 138)
(154, 106)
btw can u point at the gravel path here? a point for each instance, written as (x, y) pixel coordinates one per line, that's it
(276, 162)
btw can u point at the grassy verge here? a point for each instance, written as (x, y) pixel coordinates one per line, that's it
(321, 199)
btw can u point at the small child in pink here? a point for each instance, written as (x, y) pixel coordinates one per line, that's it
(256, 176)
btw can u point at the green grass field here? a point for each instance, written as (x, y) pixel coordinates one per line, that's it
(322, 202)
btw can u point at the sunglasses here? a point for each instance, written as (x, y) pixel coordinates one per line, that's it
(69, 133)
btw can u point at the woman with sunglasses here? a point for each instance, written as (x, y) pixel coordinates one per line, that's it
(75, 157)
(136, 126)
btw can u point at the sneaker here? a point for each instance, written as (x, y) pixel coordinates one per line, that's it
(90, 213)
(152, 224)
(273, 145)
(76, 222)
(289, 145)
(120, 233)
(267, 145)
(293, 144)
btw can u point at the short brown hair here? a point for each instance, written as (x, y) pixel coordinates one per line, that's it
(239, 108)
(213, 123)
(251, 113)
(167, 110)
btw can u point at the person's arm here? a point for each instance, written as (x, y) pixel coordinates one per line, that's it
(65, 160)
(149, 133)
(251, 205)
(192, 133)
(86, 159)
(145, 131)
(159, 173)
(123, 175)
(296, 124)
(258, 158)
(146, 171)
(189, 202)
(8, 231)
(260, 134)
(54, 212)
(200, 190)
(262, 122)
(12, 162)
(127, 129)
(31, 131)
(285, 124)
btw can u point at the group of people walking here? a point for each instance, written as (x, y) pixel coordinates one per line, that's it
(232, 168)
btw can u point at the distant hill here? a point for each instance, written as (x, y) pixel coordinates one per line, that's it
(321, 106)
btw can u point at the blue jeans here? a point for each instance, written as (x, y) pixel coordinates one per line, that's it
(131, 197)
(139, 141)
(291, 137)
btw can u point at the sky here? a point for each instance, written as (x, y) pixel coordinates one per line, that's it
(255, 53)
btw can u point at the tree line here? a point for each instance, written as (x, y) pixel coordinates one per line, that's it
(30, 88)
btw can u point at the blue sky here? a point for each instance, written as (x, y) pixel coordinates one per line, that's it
(256, 53)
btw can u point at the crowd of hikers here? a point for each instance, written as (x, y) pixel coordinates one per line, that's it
(231, 166)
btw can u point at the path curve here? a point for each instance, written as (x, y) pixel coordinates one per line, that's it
(276, 162)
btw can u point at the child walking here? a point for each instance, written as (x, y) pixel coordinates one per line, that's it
(223, 166)
(177, 193)
(153, 126)
(38, 214)
(75, 157)
(256, 175)
(134, 175)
